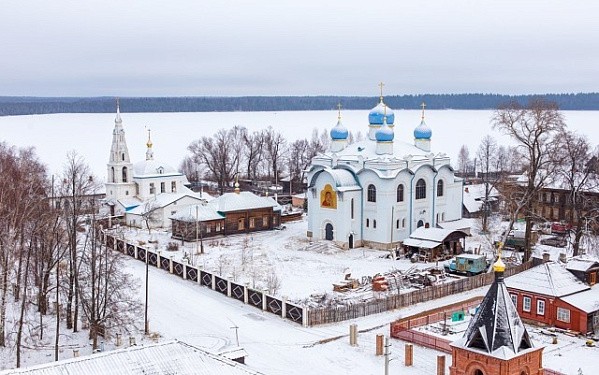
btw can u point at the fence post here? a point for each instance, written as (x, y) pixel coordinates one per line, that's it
(134, 250)
(228, 288)
(263, 301)
(305, 312)
(245, 293)
(170, 264)
(409, 355)
(379, 345)
(213, 281)
(440, 365)
(284, 307)
(184, 271)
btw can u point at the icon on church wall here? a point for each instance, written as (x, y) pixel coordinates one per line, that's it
(328, 198)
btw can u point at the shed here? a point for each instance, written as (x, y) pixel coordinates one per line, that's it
(433, 244)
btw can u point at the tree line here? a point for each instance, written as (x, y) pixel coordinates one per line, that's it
(51, 259)
(12, 106)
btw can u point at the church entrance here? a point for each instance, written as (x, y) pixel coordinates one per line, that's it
(420, 223)
(351, 241)
(328, 232)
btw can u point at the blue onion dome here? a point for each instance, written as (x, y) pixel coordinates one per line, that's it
(377, 115)
(384, 134)
(422, 131)
(339, 132)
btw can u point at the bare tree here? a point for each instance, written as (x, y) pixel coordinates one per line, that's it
(535, 128)
(219, 154)
(492, 167)
(151, 214)
(464, 160)
(572, 158)
(275, 146)
(254, 152)
(77, 187)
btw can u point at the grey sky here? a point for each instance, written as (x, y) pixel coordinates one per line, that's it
(308, 47)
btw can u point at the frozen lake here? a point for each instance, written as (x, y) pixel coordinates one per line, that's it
(90, 134)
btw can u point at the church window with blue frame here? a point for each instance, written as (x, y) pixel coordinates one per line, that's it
(440, 188)
(400, 193)
(371, 193)
(421, 189)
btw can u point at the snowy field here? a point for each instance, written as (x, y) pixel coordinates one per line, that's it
(303, 269)
(199, 316)
(90, 134)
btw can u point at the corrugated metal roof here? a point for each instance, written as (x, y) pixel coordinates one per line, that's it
(578, 264)
(550, 279)
(172, 357)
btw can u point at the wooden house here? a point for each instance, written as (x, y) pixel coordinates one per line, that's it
(585, 269)
(545, 294)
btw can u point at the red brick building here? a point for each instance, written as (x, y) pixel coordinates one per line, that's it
(496, 341)
(540, 294)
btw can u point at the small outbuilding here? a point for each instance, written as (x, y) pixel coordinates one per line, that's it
(434, 244)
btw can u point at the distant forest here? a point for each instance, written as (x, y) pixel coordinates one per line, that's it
(12, 105)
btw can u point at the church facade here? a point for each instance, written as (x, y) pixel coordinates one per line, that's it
(377, 191)
(133, 190)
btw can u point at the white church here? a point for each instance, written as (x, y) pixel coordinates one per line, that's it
(376, 192)
(148, 185)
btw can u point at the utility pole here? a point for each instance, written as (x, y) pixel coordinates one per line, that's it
(146, 323)
(387, 360)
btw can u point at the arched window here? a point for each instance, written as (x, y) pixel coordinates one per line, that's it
(478, 372)
(367, 223)
(113, 179)
(374, 223)
(371, 193)
(124, 174)
(352, 208)
(397, 224)
(403, 222)
(440, 188)
(420, 189)
(123, 156)
(400, 193)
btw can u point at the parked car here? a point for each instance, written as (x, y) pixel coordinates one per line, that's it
(560, 227)
(469, 264)
(556, 241)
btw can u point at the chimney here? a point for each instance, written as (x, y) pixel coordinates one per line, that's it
(562, 258)
(545, 257)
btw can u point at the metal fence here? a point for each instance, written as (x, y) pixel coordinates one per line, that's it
(242, 293)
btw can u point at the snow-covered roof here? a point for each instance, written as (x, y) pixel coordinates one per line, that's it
(463, 225)
(203, 212)
(171, 357)
(581, 264)
(129, 203)
(431, 234)
(474, 196)
(425, 244)
(153, 168)
(550, 279)
(243, 200)
(587, 301)
(162, 200)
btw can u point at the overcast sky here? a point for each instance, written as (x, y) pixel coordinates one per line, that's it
(307, 47)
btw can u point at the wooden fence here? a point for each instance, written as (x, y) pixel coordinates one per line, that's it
(242, 293)
(334, 314)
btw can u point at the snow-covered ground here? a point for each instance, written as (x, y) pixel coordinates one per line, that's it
(197, 315)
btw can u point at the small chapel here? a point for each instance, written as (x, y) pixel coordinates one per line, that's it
(135, 190)
(376, 192)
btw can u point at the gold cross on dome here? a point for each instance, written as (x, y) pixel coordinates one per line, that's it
(423, 105)
(339, 109)
(381, 85)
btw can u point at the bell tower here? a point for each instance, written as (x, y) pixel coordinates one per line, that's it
(119, 178)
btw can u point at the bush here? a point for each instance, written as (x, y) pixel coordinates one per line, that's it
(172, 246)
